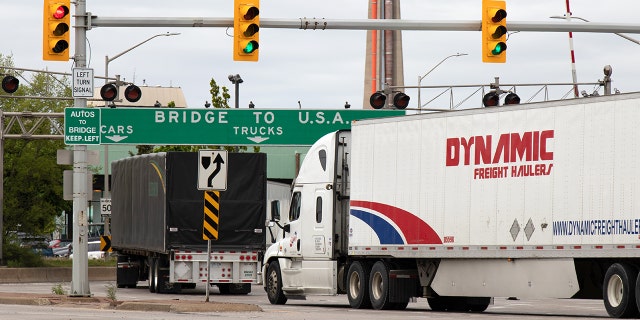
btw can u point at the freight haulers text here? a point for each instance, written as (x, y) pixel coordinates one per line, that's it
(531, 146)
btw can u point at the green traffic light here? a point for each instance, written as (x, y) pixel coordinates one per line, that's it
(499, 48)
(250, 47)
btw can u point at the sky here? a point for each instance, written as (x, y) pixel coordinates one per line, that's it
(325, 69)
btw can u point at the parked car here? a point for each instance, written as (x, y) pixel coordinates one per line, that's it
(62, 251)
(93, 251)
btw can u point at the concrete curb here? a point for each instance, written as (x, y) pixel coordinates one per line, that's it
(37, 275)
(161, 306)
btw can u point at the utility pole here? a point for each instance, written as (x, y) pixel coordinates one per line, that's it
(80, 265)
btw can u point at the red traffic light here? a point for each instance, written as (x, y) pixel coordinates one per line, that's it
(109, 92)
(401, 100)
(132, 93)
(377, 100)
(10, 84)
(61, 12)
(491, 99)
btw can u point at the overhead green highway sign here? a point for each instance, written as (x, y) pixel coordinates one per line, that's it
(173, 126)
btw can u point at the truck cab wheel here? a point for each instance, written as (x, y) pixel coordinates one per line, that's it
(274, 284)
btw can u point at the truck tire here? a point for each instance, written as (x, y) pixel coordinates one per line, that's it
(379, 286)
(618, 291)
(151, 279)
(358, 285)
(274, 284)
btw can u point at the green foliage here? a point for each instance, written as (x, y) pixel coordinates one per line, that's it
(219, 99)
(19, 257)
(111, 291)
(58, 290)
(32, 178)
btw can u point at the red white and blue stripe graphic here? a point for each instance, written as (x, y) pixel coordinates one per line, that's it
(406, 228)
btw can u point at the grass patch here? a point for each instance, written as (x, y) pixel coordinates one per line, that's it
(66, 262)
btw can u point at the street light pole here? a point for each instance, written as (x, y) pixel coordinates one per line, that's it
(107, 60)
(237, 80)
(568, 16)
(428, 72)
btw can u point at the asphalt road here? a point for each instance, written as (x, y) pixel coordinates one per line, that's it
(316, 307)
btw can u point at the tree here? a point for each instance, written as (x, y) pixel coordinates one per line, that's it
(32, 178)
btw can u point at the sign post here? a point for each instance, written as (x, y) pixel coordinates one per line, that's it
(212, 178)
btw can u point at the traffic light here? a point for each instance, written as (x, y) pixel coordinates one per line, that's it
(132, 93)
(56, 30)
(511, 98)
(109, 92)
(494, 31)
(491, 99)
(10, 84)
(377, 100)
(246, 27)
(400, 100)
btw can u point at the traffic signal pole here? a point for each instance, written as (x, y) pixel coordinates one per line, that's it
(80, 264)
(363, 24)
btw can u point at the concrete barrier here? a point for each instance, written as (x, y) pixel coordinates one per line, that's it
(33, 275)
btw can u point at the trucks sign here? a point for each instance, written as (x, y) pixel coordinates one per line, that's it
(172, 126)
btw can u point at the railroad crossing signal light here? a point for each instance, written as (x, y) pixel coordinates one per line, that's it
(56, 30)
(246, 30)
(491, 99)
(132, 93)
(400, 100)
(494, 31)
(10, 84)
(377, 100)
(109, 92)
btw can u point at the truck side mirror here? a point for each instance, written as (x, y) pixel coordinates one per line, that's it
(275, 210)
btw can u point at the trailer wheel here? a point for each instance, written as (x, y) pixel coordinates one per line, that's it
(358, 285)
(161, 276)
(152, 275)
(274, 284)
(619, 291)
(379, 286)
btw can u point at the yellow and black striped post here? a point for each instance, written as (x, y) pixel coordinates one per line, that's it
(211, 215)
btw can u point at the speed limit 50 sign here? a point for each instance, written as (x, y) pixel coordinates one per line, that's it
(105, 206)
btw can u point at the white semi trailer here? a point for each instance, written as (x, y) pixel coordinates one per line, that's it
(528, 201)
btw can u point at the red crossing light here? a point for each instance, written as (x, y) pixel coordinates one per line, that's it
(132, 93)
(10, 84)
(377, 100)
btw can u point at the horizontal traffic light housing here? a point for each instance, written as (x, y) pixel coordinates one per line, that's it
(109, 92)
